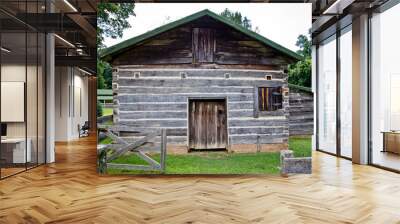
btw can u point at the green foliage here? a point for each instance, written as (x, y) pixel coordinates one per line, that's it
(112, 20)
(104, 75)
(304, 44)
(100, 76)
(99, 109)
(108, 76)
(100, 81)
(237, 18)
(300, 72)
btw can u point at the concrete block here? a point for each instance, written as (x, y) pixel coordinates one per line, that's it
(290, 164)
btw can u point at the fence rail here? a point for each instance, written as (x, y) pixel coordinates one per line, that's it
(120, 147)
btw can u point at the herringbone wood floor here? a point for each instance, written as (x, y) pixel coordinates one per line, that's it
(70, 191)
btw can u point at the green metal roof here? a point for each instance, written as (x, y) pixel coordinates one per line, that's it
(104, 92)
(108, 53)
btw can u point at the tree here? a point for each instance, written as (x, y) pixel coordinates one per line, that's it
(304, 44)
(237, 18)
(99, 109)
(107, 74)
(112, 20)
(100, 82)
(100, 74)
(300, 72)
(104, 75)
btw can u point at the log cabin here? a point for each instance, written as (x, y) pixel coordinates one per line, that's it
(210, 82)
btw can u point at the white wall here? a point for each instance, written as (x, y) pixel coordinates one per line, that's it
(11, 73)
(17, 73)
(80, 104)
(71, 102)
(33, 125)
(62, 81)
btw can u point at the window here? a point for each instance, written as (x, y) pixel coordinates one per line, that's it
(385, 89)
(327, 96)
(22, 82)
(269, 98)
(345, 93)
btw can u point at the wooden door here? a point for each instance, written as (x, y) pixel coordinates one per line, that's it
(207, 124)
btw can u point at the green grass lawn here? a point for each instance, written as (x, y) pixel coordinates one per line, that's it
(107, 111)
(106, 141)
(220, 162)
(301, 146)
(211, 163)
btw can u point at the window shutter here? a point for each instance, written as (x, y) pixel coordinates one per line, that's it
(263, 99)
(203, 45)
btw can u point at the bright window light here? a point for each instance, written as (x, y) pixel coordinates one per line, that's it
(84, 71)
(64, 40)
(5, 50)
(70, 5)
(338, 6)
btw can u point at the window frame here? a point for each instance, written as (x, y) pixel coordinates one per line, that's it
(278, 112)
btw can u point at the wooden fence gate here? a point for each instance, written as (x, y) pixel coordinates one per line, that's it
(120, 147)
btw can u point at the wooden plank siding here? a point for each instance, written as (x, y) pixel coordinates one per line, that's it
(159, 99)
(221, 45)
(173, 47)
(203, 45)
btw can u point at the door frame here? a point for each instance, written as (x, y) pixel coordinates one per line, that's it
(225, 100)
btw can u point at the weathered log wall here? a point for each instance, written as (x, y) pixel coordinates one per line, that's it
(156, 77)
(301, 110)
(148, 99)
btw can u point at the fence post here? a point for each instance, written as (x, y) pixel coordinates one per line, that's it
(163, 148)
(102, 161)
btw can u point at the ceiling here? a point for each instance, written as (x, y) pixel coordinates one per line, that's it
(328, 15)
(73, 22)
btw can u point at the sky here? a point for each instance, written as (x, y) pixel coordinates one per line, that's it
(281, 23)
